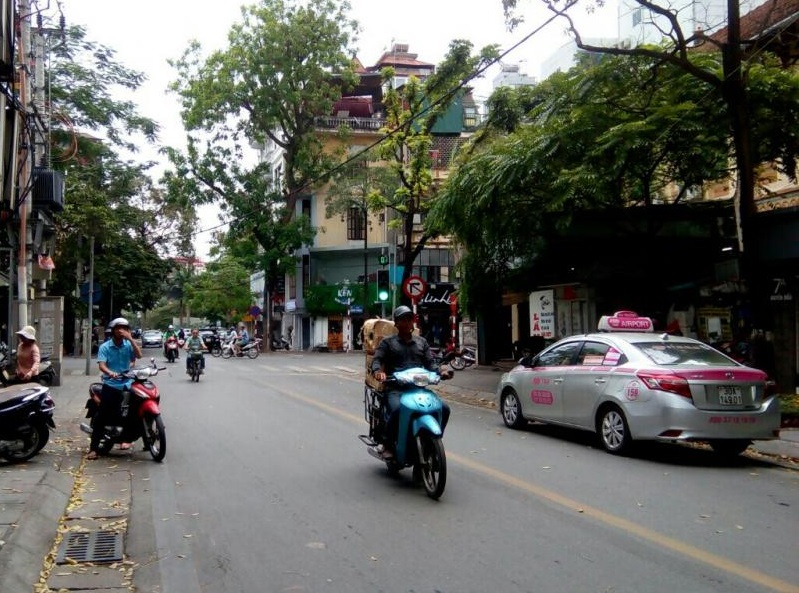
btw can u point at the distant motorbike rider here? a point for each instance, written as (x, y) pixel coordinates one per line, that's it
(244, 339)
(170, 333)
(397, 353)
(193, 345)
(114, 357)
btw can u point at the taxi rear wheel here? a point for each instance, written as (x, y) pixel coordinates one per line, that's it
(511, 409)
(614, 434)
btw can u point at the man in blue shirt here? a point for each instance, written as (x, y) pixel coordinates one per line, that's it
(114, 357)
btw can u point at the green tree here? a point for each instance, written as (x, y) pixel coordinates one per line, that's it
(411, 113)
(611, 133)
(221, 292)
(108, 198)
(267, 86)
(728, 86)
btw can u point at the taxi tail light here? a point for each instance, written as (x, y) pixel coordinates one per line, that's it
(669, 383)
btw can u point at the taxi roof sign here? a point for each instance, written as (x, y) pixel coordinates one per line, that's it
(625, 321)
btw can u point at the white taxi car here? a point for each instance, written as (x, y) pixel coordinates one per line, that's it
(627, 383)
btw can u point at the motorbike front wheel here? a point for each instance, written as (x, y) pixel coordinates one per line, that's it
(216, 351)
(32, 443)
(227, 352)
(155, 436)
(432, 465)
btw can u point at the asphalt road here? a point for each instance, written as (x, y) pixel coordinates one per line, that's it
(267, 488)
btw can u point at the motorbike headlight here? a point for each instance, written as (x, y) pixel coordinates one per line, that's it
(144, 373)
(421, 380)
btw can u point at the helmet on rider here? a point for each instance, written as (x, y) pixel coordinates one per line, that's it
(117, 322)
(170, 326)
(402, 311)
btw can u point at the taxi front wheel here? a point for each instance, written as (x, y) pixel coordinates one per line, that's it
(511, 409)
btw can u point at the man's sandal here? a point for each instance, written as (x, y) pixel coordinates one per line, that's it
(92, 455)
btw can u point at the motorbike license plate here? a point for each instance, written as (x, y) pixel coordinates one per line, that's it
(730, 395)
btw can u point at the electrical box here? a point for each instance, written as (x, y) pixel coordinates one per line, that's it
(48, 189)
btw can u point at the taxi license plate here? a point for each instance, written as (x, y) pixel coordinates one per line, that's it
(730, 395)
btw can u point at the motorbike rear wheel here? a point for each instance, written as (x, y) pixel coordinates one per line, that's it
(154, 436)
(253, 352)
(457, 363)
(432, 465)
(32, 444)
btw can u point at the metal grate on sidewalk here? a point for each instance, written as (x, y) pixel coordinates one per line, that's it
(92, 546)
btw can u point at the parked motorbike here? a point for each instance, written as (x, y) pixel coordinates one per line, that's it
(420, 432)
(465, 357)
(139, 417)
(195, 366)
(214, 344)
(444, 355)
(251, 350)
(45, 376)
(279, 343)
(26, 417)
(172, 349)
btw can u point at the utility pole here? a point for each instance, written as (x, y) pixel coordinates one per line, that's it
(23, 192)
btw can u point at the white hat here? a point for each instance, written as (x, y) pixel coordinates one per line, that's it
(28, 332)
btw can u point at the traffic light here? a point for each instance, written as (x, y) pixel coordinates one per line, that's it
(383, 288)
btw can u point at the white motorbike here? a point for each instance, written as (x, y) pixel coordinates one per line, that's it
(251, 350)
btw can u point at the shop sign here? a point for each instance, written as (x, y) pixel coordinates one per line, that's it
(344, 295)
(542, 313)
(780, 291)
(438, 296)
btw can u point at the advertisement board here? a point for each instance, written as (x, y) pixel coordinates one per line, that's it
(542, 313)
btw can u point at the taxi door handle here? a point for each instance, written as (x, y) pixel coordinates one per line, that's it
(598, 381)
(557, 380)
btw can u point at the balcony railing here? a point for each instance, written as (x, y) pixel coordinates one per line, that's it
(367, 124)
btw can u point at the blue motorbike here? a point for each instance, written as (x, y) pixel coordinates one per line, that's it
(420, 428)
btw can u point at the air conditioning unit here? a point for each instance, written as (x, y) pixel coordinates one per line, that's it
(48, 189)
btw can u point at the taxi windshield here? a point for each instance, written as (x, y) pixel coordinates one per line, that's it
(682, 353)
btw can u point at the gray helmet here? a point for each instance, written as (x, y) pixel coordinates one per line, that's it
(402, 311)
(118, 321)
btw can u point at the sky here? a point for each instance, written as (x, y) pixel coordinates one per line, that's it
(146, 33)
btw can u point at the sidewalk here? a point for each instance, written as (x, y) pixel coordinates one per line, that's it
(57, 497)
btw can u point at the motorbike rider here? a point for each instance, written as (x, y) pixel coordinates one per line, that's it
(170, 333)
(114, 357)
(397, 353)
(244, 339)
(195, 344)
(28, 355)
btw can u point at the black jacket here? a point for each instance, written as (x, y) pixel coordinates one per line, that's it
(393, 355)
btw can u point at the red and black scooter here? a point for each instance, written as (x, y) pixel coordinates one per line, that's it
(139, 417)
